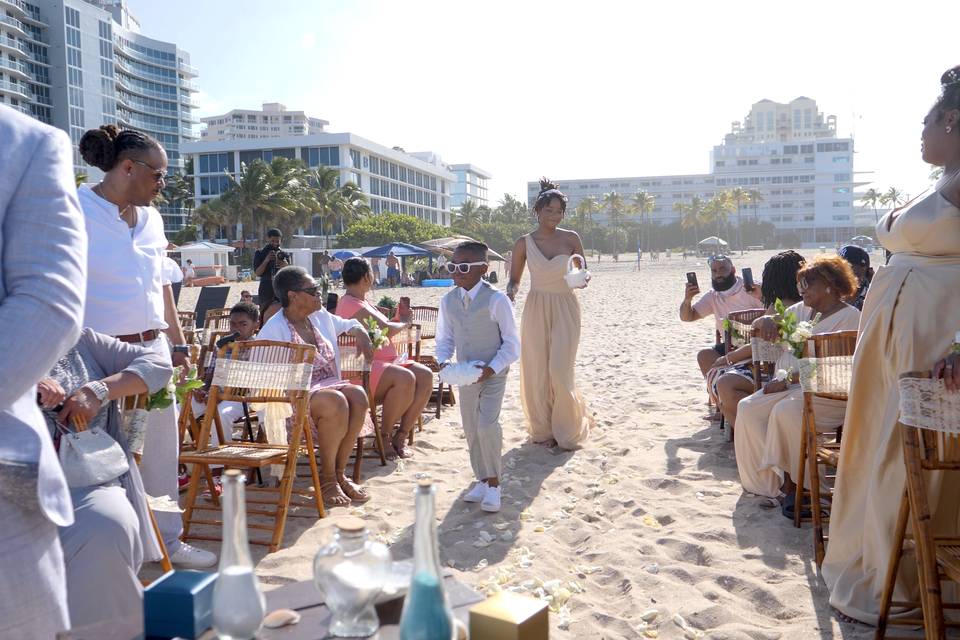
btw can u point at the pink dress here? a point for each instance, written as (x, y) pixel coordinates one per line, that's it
(347, 307)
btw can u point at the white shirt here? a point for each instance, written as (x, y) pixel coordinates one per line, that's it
(329, 326)
(501, 312)
(124, 273)
(171, 272)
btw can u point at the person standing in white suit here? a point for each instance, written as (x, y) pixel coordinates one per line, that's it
(128, 296)
(42, 278)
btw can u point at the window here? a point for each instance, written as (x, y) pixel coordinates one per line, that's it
(72, 17)
(73, 37)
(774, 160)
(394, 190)
(841, 190)
(788, 161)
(394, 169)
(73, 57)
(841, 177)
(374, 186)
(808, 160)
(355, 158)
(841, 218)
(806, 148)
(374, 165)
(790, 149)
(840, 159)
(403, 174)
(840, 203)
(752, 162)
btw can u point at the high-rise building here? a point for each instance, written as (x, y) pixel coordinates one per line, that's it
(78, 64)
(471, 185)
(789, 154)
(273, 121)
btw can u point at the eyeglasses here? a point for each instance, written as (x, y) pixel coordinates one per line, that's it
(462, 267)
(158, 176)
(311, 290)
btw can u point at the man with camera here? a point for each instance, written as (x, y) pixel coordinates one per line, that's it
(266, 262)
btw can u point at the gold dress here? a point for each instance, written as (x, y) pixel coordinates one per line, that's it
(909, 318)
(549, 337)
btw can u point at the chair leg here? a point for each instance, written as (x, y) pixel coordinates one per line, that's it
(377, 436)
(814, 470)
(802, 467)
(165, 563)
(439, 397)
(192, 491)
(358, 460)
(314, 471)
(893, 566)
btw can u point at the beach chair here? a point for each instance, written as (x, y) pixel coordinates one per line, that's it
(353, 366)
(824, 375)
(263, 372)
(426, 317)
(216, 320)
(764, 356)
(408, 342)
(929, 427)
(738, 329)
(187, 319)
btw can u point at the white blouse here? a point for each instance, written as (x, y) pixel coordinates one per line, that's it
(329, 326)
(124, 267)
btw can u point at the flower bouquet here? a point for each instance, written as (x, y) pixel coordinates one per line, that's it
(793, 332)
(135, 420)
(378, 337)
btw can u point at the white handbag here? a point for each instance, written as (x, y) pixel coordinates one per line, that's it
(90, 457)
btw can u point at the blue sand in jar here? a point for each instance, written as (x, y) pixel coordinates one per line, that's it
(426, 617)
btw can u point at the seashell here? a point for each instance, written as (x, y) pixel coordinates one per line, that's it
(649, 615)
(679, 621)
(280, 618)
(652, 522)
(692, 634)
(651, 633)
(653, 568)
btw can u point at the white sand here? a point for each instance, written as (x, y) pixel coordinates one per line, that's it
(648, 515)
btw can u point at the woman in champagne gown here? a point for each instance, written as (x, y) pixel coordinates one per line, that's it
(909, 319)
(550, 327)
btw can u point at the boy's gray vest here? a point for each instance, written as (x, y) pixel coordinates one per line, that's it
(475, 335)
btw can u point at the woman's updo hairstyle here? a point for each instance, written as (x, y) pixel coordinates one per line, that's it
(354, 270)
(949, 92)
(103, 148)
(549, 191)
(832, 270)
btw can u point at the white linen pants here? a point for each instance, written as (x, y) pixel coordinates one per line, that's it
(161, 453)
(33, 586)
(480, 412)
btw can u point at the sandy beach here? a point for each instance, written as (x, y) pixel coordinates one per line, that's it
(648, 515)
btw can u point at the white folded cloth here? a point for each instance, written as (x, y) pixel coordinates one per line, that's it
(461, 373)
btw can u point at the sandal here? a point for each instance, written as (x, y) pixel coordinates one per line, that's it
(355, 492)
(332, 494)
(401, 452)
(789, 506)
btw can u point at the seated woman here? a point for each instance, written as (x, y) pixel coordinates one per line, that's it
(731, 376)
(824, 284)
(111, 535)
(337, 408)
(402, 387)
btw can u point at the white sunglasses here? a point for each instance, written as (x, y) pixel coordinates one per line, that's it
(462, 267)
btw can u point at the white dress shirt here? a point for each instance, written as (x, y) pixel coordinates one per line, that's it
(501, 312)
(171, 272)
(124, 268)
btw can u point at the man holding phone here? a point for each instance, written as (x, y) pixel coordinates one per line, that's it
(266, 262)
(729, 293)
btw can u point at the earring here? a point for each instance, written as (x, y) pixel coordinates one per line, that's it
(949, 129)
(828, 289)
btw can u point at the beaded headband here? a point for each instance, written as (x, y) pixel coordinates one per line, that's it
(952, 78)
(550, 193)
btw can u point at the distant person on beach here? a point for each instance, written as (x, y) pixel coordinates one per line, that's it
(43, 276)
(375, 268)
(189, 273)
(728, 294)
(266, 262)
(910, 316)
(556, 413)
(859, 260)
(393, 269)
(476, 323)
(246, 296)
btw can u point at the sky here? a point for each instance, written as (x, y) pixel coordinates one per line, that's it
(569, 90)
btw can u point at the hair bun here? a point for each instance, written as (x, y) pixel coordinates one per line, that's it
(950, 77)
(547, 185)
(97, 147)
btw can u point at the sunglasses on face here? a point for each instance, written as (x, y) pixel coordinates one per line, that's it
(462, 267)
(311, 290)
(712, 260)
(158, 176)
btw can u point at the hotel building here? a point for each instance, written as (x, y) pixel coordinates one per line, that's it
(471, 185)
(273, 121)
(789, 153)
(78, 64)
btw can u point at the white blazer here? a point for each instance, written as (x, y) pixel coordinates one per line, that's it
(43, 276)
(329, 326)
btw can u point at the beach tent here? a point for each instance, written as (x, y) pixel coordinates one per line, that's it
(712, 243)
(345, 254)
(447, 245)
(399, 249)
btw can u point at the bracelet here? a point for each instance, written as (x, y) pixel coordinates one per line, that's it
(99, 390)
(726, 358)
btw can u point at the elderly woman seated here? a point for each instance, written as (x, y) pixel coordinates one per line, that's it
(338, 408)
(401, 386)
(768, 421)
(730, 379)
(111, 535)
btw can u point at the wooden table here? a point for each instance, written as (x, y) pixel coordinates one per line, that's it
(302, 597)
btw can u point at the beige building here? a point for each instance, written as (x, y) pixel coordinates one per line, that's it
(272, 121)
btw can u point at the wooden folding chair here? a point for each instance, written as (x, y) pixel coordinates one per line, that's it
(824, 375)
(407, 342)
(188, 319)
(737, 332)
(257, 371)
(426, 317)
(354, 366)
(764, 357)
(216, 320)
(929, 427)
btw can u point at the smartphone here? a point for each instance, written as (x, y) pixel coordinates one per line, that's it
(332, 301)
(748, 278)
(404, 303)
(692, 278)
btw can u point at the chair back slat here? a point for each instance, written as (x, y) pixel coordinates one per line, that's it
(829, 371)
(187, 319)
(426, 317)
(263, 371)
(215, 321)
(926, 404)
(210, 348)
(407, 341)
(740, 327)
(352, 363)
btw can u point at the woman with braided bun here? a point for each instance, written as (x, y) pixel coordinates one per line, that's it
(550, 326)
(910, 315)
(129, 298)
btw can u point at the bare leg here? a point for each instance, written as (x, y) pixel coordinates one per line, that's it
(330, 412)
(731, 389)
(357, 399)
(395, 392)
(705, 360)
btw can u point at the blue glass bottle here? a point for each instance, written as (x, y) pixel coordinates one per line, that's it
(426, 611)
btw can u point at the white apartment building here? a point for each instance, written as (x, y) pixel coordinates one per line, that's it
(272, 121)
(393, 180)
(79, 64)
(471, 185)
(788, 153)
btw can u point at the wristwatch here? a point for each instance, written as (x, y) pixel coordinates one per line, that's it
(181, 348)
(99, 390)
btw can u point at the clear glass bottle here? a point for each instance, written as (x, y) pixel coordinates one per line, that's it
(238, 604)
(426, 611)
(351, 572)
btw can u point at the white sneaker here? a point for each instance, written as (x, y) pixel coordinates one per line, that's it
(477, 492)
(491, 500)
(192, 557)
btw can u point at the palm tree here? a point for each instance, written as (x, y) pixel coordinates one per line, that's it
(643, 203)
(754, 198)
(467, 218)
(585, 211)
(80, 178)
(739, 195)
(265, 194)
(893, 198)
(681, 210)
(717, 210)
(693, 216)
(210, 215)
(511, 210)
(872, 198)
(613, 203)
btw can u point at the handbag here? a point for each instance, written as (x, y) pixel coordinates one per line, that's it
(90, 457)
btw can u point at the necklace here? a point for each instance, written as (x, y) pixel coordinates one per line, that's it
(98, 189)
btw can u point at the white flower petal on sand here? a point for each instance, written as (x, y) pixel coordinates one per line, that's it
(525, 515)
(653, 568)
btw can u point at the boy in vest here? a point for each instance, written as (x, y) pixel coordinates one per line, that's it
(476, 321)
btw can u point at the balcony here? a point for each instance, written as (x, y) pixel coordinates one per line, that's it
(187, 69)
(15, 5)
(188, 101)
(137, 105)
(146, 126)
(150, 93)
(153, 77)
(18, 90)
(15, 67)
(13, 22)
(133, 54)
